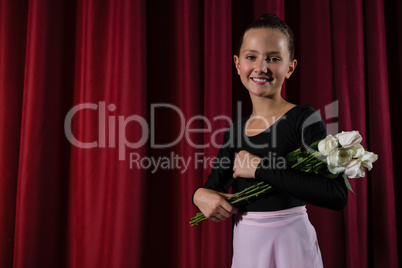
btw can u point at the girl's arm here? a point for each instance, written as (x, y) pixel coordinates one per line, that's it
(308, 187)
(213, 204)
(211, 198)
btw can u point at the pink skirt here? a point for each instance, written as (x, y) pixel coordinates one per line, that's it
(277, 239)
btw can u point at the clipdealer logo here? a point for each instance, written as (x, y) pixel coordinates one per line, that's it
(107, 125)
(112, 134)
(331, 113)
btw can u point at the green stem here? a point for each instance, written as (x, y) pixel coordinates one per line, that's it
(249, 198)
(307, 159)
(239, 198)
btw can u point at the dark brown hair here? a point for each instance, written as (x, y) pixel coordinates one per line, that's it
(271, 21)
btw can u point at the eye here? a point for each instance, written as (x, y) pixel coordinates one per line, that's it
(273, 59)
(250, 57)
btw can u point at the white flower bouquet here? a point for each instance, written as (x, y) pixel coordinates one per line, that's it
(346, 155)
(332, 156)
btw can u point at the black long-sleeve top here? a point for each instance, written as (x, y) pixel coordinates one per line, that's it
(300, 126)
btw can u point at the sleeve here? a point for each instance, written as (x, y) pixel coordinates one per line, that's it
(221, 177)
(308, 187)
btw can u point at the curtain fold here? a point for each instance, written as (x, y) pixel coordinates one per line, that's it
(189, 84)
(13, 19)
(382, 199)
(348, 62)
(217, 109)
(41, 201)
(112, 111)
(106, 201)
(393, 35)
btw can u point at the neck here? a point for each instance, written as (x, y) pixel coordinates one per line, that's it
(264, 106)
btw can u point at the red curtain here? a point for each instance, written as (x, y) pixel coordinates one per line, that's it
(94, 93)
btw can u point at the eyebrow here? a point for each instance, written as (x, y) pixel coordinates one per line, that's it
(251, 50)
(255, 51)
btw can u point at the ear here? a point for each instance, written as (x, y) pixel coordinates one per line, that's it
(292, 67)
(237, 63)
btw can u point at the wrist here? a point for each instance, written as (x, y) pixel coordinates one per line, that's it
(194, 196)
(259, 160)
(259, 168)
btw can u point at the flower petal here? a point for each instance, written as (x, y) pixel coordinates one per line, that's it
(349, 138)
(327, 145)
(355, 169)
(336, 169)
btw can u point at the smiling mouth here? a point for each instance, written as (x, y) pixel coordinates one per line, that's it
(261, 80)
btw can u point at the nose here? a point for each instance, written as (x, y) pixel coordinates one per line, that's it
(261, 67)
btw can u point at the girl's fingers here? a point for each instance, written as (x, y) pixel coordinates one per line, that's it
(228, 208)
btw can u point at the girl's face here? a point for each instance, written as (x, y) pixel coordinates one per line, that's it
(263, 62)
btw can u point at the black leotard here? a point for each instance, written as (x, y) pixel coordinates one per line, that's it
(300, 125)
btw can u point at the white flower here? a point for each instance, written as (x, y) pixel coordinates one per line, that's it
(339, 158)
(368, 159)
(327, 145)
(349, 138)
(355, 169)
(336, 169)
(356, 151)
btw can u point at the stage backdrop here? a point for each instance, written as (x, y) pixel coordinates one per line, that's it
(94, 94)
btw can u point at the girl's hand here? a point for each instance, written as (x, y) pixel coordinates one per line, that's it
(245, 165)
(213, 204)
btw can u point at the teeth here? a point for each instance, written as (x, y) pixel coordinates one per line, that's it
(260, 80)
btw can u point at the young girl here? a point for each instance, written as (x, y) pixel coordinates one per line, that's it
(273, 231)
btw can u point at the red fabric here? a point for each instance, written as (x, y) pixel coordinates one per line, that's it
(113, 61)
